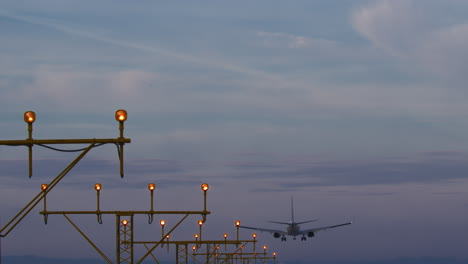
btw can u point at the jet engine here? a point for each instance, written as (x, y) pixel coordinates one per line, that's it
(310, 234)
(276, 235)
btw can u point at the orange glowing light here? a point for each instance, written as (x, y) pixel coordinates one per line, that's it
(97, 187)
(237, 223)
(124, 222)
(162, 222)
(29, 117)
(151, 186)
(121, 115)
(43, 187)
(205, 187)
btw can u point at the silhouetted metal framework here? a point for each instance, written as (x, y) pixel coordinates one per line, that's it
(29, 118)
(215, 251)
(124, 232)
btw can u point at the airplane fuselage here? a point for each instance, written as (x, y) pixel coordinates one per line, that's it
(293, 229)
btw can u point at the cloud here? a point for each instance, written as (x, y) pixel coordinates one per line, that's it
(417, 33)
(289, 175)
(281, 173)
(280, 39)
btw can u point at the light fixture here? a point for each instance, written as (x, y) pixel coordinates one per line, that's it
(121, 115)
(205, 187)
(29, 117)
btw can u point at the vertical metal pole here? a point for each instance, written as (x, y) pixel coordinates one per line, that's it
(117, 238)
(162, 235)
(45, 202)
(186, 253)
(204, 201)
(152, 200)
(98, 200)
(131, 238)
(30, 148)
(121, 128)
(200, 232)
(207, 253)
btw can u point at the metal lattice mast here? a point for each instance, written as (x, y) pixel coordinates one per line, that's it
(124, 246)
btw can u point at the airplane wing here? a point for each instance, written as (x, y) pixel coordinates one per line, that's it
(308, 221)
(281, 232)
(323, 228)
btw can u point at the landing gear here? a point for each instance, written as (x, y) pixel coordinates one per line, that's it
(303, 238)
(283, 238)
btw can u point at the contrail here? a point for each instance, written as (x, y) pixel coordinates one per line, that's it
(145, 48)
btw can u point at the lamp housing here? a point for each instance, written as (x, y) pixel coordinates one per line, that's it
(121, 115)
(29, 117)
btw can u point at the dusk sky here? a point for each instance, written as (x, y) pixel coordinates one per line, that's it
(356, 108)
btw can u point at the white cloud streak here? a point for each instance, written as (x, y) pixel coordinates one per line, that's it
(187, 58)
(292, 41)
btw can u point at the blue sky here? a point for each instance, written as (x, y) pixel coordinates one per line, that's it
(356, 108)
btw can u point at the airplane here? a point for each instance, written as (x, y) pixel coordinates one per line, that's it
(293, 228)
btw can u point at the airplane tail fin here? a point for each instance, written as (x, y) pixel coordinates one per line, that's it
(292, 210)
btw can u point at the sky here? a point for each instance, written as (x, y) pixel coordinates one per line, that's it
(356, 108)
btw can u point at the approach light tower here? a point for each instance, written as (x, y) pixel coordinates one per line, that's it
(30, 118)
(124, 219)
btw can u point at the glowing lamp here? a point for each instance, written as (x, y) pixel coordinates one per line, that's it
(200, 222)
(124, 222)
(264, 247)
(195, 236)
(97, 187)
(29, 117)
(162, 222)
(43, 187)
(205, 187)
(225, 235)
(121, 115)
(254, 235)
(237, 223)
(168, 236)
(151, 186)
